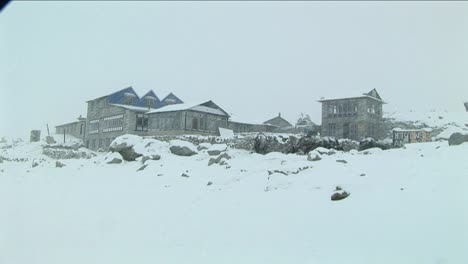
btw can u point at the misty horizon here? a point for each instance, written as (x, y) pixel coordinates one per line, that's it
(254, 60)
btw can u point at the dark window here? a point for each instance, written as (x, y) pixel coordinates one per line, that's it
(141, 122)
(81, 129)
(195, 123)
(332, 129)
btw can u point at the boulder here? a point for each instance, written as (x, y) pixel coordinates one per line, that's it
(209, 183)
(214, 152)
(59, 164)
(115, 161)
(368, 143)
(457, 139)
(182, 151)
(129, 154)
(151, 157)
(142, 167)
(342, 161)
(313, 157)
(339, 196)
(35, 163)
(185, 175)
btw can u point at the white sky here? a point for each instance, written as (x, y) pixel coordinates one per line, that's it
(253, 59)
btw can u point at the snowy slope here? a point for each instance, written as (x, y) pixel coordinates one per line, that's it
(444, 123)
(410, 207)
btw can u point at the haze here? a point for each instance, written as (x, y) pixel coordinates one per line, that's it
(254, 59)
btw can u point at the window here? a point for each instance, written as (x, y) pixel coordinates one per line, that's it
(332, 129)
(81, 129)
(141, 122)
(195, 123)
(93, 126)
(112, 123)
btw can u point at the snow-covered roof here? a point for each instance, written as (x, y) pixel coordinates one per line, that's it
(412, 130)
(200, 107)
(132, 107)
(351, 96)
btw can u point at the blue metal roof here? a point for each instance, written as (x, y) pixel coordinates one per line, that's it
(168, 100)
(119, 96)
(142, 101)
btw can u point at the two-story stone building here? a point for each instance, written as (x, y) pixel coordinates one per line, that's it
(353, 117)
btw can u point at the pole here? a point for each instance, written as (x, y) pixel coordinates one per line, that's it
(48, 133)
(64, 135)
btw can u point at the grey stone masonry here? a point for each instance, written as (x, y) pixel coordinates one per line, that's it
(354, 118)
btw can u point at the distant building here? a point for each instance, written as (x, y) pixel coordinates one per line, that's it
(353, 117)
(406, 136)
(278, 122)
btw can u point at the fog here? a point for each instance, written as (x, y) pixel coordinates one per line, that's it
(252, 59)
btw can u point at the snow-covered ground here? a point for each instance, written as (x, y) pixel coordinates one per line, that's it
(405, 206)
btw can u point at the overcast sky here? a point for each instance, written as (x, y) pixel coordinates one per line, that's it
(253, 59)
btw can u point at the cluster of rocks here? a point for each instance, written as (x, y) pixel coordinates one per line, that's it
(264, 144)
(221, 159)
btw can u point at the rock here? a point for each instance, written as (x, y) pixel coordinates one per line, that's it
(185, 175)
(342, 161)
(369, 143)
(218, 159)
(339, 196)
(214, 152)
(59, 164)
(457, 139)
(315, 158)
(114, 161)
(50, 140)
(209, 183)
(182, 151)
(35, 163)
(129, 154)
(466, 106)
(441, 117)
(338, 188)
(201, 147)
(142, 167)
(362, 174)
(151, 157)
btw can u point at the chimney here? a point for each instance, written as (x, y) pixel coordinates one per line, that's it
(279, 114)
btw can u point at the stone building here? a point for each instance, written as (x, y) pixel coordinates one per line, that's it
(278, 121)
(406, 136)
(76, 129)
(353, 117)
